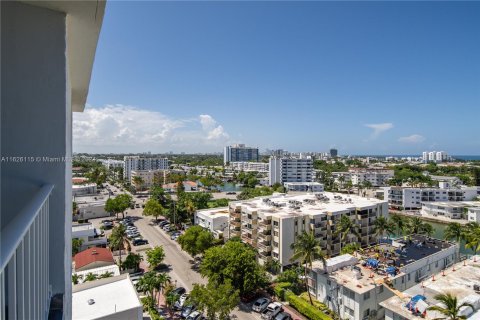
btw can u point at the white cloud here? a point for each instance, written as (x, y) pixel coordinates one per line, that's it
(120, 128)
(379, 128)
(414, 138)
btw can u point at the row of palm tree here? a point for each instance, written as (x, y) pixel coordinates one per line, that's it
(153, 283)
(90, 277)
(470, 233)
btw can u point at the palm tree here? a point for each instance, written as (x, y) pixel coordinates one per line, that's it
(190, 208)
(345, 228)
(415, 225)
(306, 249)
(161, 281)
(118, 239)
(472, 236)
(399, 222)
(452, 308)
(90, 277)
(382, 226)
(138, 182)
(454, 231)
(76, 278)
(427, 229)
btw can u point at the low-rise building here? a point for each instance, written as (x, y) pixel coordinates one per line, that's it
(91, 207)
(93, 258)
(112, 163)
(461, 280)
(376, 177)
(147, 178)
(303, 186)
(84, 189)
(187, 185)
(214, 220)
(88, 234)
(450, 209)
(271, 224)
(111, 298)
(113, 270)
(249, 166)
(473, 213)
(412, 198)
(354, 286)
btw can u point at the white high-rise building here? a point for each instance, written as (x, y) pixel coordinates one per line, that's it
(288, 169)
(434, 156)
(48, 48)
(239, 152)
(133, 163)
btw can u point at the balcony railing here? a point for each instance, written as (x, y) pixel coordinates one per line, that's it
(24, 261)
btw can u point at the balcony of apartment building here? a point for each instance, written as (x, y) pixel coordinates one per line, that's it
(47, 57)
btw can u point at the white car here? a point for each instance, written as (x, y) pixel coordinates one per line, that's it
(179, 304)
(272, 310)
(195, 315)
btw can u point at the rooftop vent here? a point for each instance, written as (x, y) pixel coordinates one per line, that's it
(90, 301)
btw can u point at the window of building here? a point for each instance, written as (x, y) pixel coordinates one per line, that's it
(349, 311)
(366, 313)
(275, 223)
(275, 244)
(366, 295)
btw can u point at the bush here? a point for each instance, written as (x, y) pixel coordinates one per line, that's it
(304, 307)
(280, 289)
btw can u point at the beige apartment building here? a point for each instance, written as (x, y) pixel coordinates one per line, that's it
(271, 224)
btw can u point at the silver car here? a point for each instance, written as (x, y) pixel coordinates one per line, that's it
(261, 304)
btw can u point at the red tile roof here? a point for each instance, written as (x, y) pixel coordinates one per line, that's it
(92, 255)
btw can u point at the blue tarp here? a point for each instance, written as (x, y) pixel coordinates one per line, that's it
(391, 270)
(372, 263)
(414, 300)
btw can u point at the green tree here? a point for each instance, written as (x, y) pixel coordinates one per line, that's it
(90, 277)
(97, 175)
(400, 224)
(74, 208)
(472, 236)
(155, 256)
(138, 182)
(132, 261)
(118, 204)
(306, 249)
(196, 240)
(190, 208)
(217, 301)
(450, 309)
(346, 227)
(76, 245)
(118, 239)
(382, 227)
(153, 208)
(235, 262)
(351, 248)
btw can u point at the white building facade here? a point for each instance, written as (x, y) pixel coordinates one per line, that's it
(47, 56)
(271, 224)
(132, 163)
(376, 177)
(303, 186)
(249, 166)
(283, 169)
(87, 233)
(412, 198)
(240, 153)
(215, 220)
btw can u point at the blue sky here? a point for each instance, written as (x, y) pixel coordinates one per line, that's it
(365, 77)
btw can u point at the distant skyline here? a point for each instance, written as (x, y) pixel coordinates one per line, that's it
(363, 77)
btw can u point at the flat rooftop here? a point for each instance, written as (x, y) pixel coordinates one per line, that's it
(286, 205)
(110, 295)
(82, 227)
(89, 200)
(460, 283)
(398, 254)
(216, 212)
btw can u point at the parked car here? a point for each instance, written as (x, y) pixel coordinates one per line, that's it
(132, 228)
(187, 309)
(231, 192)
(261, 304)
(179, 291)
(139, 241)
(133, 235)
(163, 223)
(283, 316)
(166, 228)
(195, 315)
(272, 310)
(180, 302)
